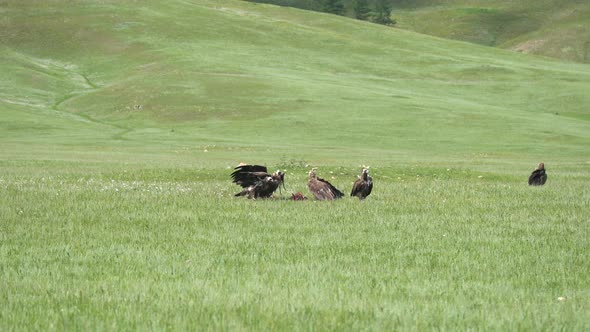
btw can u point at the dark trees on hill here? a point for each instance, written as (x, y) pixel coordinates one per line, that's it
(377, 11)
(383, 12)
(303, 4)
(361, 9)
(333, 7)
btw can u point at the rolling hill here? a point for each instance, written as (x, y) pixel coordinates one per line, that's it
(552, 28)
(257, 79)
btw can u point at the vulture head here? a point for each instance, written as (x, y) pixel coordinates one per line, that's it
(312, 174)
(279, 177)
(365, 174)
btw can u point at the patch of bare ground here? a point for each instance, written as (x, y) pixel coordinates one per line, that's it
(529, 46)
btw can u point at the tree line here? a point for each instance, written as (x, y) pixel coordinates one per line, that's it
(377, 11)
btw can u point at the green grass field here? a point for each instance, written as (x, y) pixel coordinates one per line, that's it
(120, 123)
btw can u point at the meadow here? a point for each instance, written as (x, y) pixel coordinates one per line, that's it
(121, 122)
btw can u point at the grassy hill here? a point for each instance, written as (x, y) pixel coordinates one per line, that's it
(550, 28)
(120, 122)
(234, 74)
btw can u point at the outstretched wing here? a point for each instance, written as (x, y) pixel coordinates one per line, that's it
(248, 175)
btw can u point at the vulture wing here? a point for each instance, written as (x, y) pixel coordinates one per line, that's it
(256, 181)
(357, 187)
(538, 177)
(362, 188)
(248, 175)
(323, 190)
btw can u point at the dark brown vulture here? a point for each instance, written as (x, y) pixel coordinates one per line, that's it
(538, 176)
(322, 189)
(256, 181)
(363, 185)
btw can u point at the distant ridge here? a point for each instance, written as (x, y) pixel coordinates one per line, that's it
(553, 28)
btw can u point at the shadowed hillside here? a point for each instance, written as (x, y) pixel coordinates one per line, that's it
(552, 28)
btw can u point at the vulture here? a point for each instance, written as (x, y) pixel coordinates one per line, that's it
(322, 189)
(538, 176)
(363, 185)
(256, 181)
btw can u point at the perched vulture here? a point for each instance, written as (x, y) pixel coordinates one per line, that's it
(363, 185)
(538, 176)
(322, 189)
(256, 181)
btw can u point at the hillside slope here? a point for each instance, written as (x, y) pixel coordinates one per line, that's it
(239, 79)
(551, 28)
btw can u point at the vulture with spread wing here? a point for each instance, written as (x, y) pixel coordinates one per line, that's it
(256, 181)
(322, 189)
(538, 176)
(363, 185)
